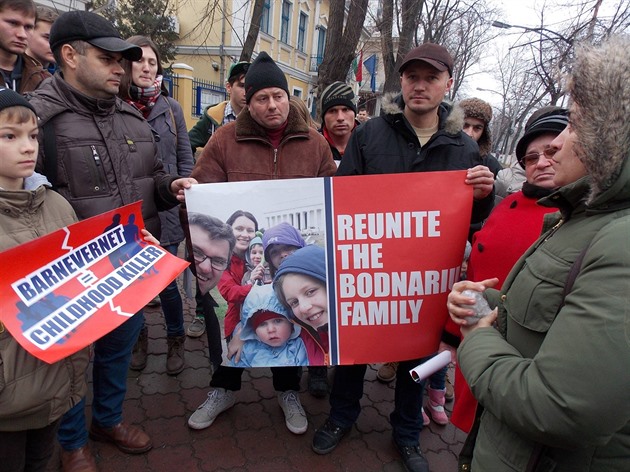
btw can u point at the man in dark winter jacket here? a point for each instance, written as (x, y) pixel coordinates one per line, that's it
(18, 71)
(104, 157)
(416, 132)
(338, 117)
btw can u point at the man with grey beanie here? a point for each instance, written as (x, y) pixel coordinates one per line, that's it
(339, 112)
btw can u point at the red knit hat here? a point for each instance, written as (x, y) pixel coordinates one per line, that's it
(262, 316)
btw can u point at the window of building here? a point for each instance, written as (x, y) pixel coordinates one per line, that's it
(265, 20)
(285, 22)
(301, 40)
(321, 44)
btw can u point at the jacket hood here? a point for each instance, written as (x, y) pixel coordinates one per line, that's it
(451, 116)
(282, 233)
(33, 181)
(262, 298)
(599, 88)
(253, 242)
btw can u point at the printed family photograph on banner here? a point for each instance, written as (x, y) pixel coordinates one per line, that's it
(329, 271)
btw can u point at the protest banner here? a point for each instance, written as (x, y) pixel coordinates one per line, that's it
(393, 246)
(65, 290)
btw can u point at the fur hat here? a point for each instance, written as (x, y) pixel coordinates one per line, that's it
(549, 119)
(477, 108)
(338, 93)
(598, 85)
(264, 73)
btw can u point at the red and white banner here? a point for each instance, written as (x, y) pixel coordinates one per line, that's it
(65, 290)
(393, 246)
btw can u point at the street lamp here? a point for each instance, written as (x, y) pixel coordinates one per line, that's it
(540, 30)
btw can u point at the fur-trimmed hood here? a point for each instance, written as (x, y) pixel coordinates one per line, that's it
(599, 88)
(451, 116)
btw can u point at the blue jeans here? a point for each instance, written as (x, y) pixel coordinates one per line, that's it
(406, 419)
(171, 301)
(112, 355)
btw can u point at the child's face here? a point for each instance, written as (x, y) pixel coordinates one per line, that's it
(274, 332)
(256, 254)
(278, 252)
(18, 152)
(307, 298)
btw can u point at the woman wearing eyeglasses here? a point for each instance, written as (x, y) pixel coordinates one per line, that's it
(553, 378)
(512, 227)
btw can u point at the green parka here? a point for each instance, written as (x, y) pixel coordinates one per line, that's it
(559, 381)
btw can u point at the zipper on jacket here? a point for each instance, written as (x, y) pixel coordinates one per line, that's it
(554, 229)
(275, 163)
(97, 177)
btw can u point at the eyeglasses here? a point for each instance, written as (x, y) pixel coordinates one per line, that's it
(216, 262)
(532, 158)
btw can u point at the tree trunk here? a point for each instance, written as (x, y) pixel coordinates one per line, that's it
(252, 33)
(341, 44)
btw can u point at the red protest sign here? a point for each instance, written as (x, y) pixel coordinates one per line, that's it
(67, 289)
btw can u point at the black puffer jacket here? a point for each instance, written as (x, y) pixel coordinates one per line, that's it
(106, 154)
(389, 145)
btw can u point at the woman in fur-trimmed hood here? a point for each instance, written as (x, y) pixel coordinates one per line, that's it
(553, 379)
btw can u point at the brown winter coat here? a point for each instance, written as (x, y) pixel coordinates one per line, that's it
(33, 393)
(241, 151)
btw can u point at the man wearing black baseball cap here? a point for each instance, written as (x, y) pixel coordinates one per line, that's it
(102, 156)
(416, 132)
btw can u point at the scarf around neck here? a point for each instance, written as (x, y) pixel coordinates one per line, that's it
(144, 98)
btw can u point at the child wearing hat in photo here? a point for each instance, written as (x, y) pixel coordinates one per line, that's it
(269, 338)
(300, 284)
(257, 268)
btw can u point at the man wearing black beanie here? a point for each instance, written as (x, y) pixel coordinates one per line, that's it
(269, 140)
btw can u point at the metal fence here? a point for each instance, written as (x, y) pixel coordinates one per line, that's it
(206, 93)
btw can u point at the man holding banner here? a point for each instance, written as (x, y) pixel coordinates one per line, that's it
(416, 133)
(269, 140)
(100, 154)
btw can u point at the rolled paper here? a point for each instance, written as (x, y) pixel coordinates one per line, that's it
(424, 370)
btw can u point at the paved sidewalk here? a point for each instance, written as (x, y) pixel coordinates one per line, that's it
(252, 435)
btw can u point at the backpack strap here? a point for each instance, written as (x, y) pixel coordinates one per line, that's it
(50, 154)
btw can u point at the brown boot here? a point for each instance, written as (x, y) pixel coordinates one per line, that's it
(139, 353)
(175, 355)
(78, 460)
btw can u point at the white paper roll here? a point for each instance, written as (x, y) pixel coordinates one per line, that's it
(424, 370)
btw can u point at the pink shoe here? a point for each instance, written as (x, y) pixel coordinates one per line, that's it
(436, 406)
(425, 419)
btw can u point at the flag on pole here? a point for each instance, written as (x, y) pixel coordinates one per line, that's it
(370, 65)
(357, 66)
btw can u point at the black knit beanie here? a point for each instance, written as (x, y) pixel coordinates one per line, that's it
(549, 119)
(264, 73)
(338, 93)
(9, 98)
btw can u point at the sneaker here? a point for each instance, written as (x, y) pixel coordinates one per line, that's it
(196, 328)
(412, 458)
(387, 372)
(318, 381)
(449, 395)
(327, 437)
(294, 416)
(425, 419)
(217, 402)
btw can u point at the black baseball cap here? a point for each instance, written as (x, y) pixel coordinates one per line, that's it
(93, 29)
